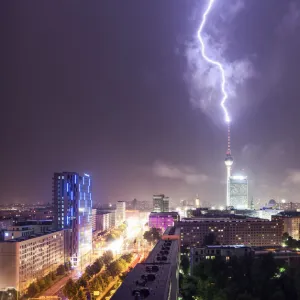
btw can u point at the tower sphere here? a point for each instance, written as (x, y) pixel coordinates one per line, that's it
(228, 160)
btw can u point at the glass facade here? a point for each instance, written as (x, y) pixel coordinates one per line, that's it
(72, 201)
(84, 218)
(238, 192)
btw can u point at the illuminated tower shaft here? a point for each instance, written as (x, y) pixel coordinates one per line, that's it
(228, 163)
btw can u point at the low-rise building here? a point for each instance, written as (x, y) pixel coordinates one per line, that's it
(26, 259)
(162, 220)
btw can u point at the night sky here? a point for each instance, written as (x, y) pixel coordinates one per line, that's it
(118, 89)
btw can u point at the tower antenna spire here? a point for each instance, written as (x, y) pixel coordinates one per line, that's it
(228, 163)
(228, 140)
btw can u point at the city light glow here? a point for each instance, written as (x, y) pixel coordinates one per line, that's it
(116, 246)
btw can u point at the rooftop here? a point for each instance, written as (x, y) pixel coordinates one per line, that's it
(25, 238)
(146, 280)
(197, 220)
(33, 222)
(163, 214)
(152, 279)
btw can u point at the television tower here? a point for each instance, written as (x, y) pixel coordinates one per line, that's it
(228, 163)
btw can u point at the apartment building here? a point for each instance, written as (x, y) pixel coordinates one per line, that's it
(27, 258)
(291, 223)
(230, 231)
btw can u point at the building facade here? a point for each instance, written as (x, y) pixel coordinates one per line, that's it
(291, 223)
(26, 259)
(288, 206)
(161, 203)
(163, 220)
(238, 192)
(94, 212)
(120, 212)
(103, 221)
(198, 254)
(229, 231)
(72, 202)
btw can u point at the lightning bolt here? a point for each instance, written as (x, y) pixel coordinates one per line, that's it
(214, 62)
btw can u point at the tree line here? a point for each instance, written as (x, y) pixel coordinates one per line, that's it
(245, 278)
(98, 276)
(43, 283)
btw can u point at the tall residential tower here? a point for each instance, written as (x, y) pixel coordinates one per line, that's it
(228, 163)
(72, 202)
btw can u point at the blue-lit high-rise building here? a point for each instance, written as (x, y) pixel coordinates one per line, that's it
(72, 202)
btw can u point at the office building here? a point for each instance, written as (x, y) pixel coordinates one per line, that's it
(157, 277)
(72, 202)
(238, 192)
(226, 252)
(160, 203)
(120, 212)
(28, 258)
(231, 231)
(291, 223)
(163, 220)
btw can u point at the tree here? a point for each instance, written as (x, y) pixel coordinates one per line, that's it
(285, 236)
(82, 281)
(41, 283)
(68, 266)
(81, 295)
(33, 289)
(127, 257)
(153, 235)
(185, 264)
(89, 271)
(60, 270)
(97, 266)
(53, 275)
(48, 280)
(107, 257)
(70, 289)
(115, 268)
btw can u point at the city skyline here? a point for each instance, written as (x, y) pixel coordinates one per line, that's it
(79, 97)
